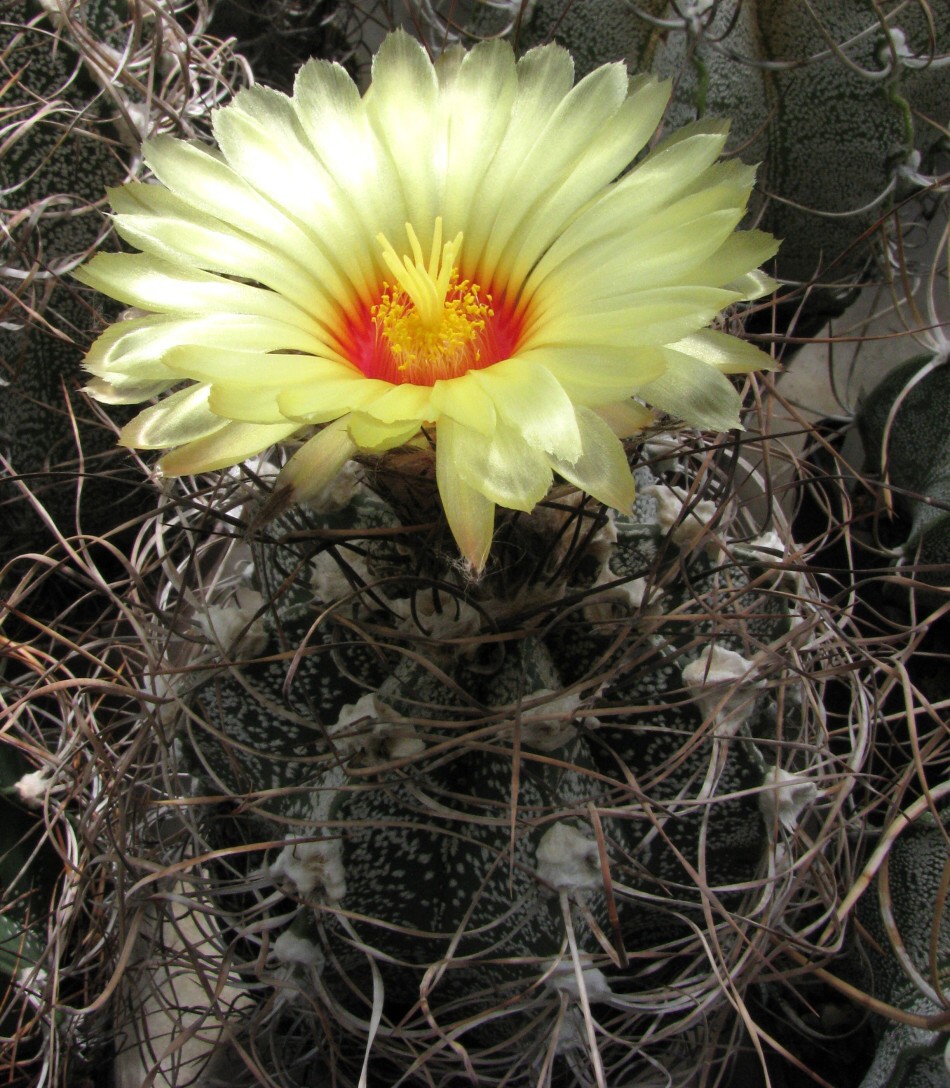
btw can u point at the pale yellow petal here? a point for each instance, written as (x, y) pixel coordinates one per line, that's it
(132, 355)
(595, 375)
(249, 369)
(470, 514)
(402, 107)
(246, 404)
(556, 150)
(263, 141)
(464, 401)
(673, 166)
(153, 284)
(402, 403)
(375, 436)
(613, 237)
(504, 469)
(530, 400)
(158, 222)
(330, 397)
(317, 463)
(626, 418)
(694, 391)
(647, 318)
(476, 97)
(732, 265)
(233, 443)
(626, 263)
(201, 177)
(753, 285)
(601, 469)
(726, 353)
(182, 417)
(545, 76)
(610, 150)
(333, 118)
(126, 392)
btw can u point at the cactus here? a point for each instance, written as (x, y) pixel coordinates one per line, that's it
(902, 423)
(903, 909)
(78, 108)
(519, 801)
(489, 781)
(28, 869)
(61, 153)
(556, 822)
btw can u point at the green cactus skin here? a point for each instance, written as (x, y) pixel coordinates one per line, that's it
(380, 723)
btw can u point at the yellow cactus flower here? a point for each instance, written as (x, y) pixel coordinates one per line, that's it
(463, 249)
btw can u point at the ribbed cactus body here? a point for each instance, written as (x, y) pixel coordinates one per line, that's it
(454, 770)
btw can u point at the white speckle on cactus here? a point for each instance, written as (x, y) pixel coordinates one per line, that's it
(894, 45)
(550, 725)
(719, 680)
(683, 517)
(601, 543)
(236, 625)
(567, 859)
(785, 797)
(32, 982)
(32, 788)
(401, 742)
(308, 866)
(349, 729)
(573, 1033)
(908, 169)
(247, 496)
(637, 592)
(290, 948)
(564, 980)
(259, 465)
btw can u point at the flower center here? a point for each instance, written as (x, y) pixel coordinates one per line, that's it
(430, 323)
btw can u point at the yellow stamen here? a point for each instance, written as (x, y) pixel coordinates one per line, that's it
(429, 317)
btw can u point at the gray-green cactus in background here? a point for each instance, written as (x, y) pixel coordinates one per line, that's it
(79, 90)
(62, 150)
(904, 960)
(505, 803)
(843, 102)
(903, 425)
